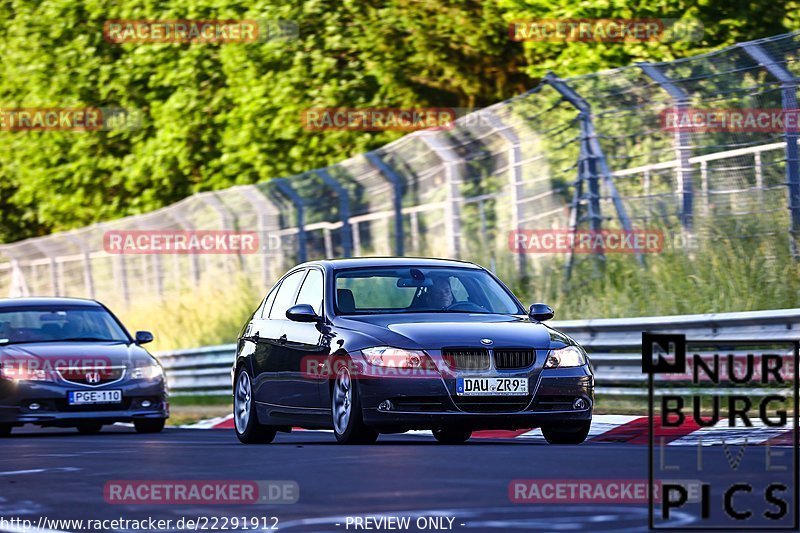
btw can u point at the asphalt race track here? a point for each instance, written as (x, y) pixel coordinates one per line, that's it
(61, 474)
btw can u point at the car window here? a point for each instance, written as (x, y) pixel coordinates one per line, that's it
(421, 290)
(62, 323)
(460, 292)
(268, 302)
(285, 296)
(311, 291)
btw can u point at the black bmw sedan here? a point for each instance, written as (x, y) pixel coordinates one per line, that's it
(386, 345)
(70, 363)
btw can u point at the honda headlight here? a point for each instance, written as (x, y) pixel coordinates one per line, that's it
(396, 357)
(570, 356)
(147, 372)
(21, 372)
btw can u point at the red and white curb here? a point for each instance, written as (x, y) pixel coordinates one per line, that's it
(617, 429)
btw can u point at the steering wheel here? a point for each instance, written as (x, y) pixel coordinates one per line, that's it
(465, 306)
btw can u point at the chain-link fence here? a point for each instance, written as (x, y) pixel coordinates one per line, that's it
(593, 151)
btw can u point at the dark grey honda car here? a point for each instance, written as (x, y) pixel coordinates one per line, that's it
(386, 345)
(70, 363)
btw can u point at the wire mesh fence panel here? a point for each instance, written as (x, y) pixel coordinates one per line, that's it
(612, 150)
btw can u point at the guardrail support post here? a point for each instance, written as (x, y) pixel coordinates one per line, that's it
(397, 183)
(514, 177)
(453, 168)
(264, 209)
(592, 165)
(789, 103)
(88, 279)
(344, 209)
(683, 148)
(300, 207)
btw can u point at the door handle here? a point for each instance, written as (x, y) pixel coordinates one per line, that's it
(282, 339)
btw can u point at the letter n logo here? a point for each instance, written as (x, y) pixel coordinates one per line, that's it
(663, 354)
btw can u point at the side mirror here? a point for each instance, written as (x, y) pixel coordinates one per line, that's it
(541, 312)
(143, 337)
(302, 313)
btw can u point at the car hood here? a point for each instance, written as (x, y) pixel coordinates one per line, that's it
(76, 354)
(436, 330)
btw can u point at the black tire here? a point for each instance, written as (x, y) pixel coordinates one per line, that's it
(451, 435)
(90, 428)
(574, 433)
(349, 429)
(5, 430)
(149, 425)
(248, 429)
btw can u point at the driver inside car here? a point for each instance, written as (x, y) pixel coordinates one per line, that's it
(440, 294)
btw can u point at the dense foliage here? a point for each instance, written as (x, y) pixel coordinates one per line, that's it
(215, 115)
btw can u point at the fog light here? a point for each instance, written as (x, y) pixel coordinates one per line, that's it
(34, 406)
(146, 403)
(579, 403)
(385, 405)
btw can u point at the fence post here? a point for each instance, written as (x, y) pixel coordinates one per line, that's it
(122, 278)
(683, 145)
(300, 207)
(344, 209)
(18, 287)
(226, 218)
(454, 175)
(514, 177)
(194, 263)
(54, 285)
(88, 278)
(396, 180)
(263, 208)
(592, 165)
(789, 103)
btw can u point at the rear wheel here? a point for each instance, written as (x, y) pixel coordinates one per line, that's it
(348, 422)
(152, 425)
(5, 430)
(574, 433)
(451, 435)
(90, 428)
(248, 429)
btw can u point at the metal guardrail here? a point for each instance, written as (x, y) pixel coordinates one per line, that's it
(614, 346)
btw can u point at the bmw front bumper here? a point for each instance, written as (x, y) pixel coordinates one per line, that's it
(424, 403)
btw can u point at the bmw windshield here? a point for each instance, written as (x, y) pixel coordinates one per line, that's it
(421, 290)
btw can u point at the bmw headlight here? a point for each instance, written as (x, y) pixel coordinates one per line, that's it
(147, 372)
(395, 357)
(569, 356)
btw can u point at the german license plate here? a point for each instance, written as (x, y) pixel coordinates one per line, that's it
(94, 396)
(492, 386)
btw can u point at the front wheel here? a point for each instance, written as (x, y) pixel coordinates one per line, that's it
(574, 433)
(248, 428)
(152, 425)
(348, 422)
(451, 435)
